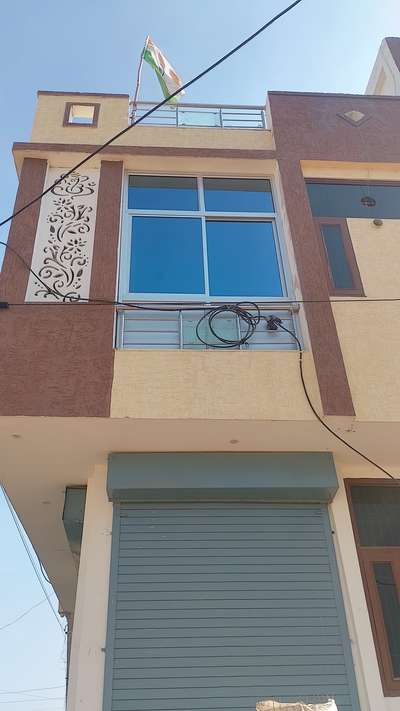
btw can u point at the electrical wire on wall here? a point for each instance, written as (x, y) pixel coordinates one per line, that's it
(275, 323)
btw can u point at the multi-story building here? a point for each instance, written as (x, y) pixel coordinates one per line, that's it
(209, 540)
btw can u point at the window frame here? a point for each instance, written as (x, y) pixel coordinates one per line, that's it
(67, 111)
(367, 556)
(358, 289)
(203, 215)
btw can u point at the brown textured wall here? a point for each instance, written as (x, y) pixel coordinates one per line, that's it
(329, 365)
(105, 254)
(57, 359)
(14, 276)
(309, 127)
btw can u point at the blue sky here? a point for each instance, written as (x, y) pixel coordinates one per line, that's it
(94, 46)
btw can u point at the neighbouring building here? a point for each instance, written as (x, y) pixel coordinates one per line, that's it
(210, 543)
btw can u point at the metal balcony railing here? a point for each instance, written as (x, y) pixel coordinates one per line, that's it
(201, 115)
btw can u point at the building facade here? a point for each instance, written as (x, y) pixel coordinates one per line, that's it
(210, 542)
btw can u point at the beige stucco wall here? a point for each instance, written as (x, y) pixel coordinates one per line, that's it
(369, 332)
(49, 117)
(211, 385)
(350, 171)
(362, 643)
(86, 675)
(113, 117)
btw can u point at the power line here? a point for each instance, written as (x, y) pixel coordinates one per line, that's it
(155, 108)
(25, 691)
(22, 537)
(82, 301)
(33, 700)
(20, 617)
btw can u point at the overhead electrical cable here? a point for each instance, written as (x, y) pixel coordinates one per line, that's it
(29, 554)
(33, 700)
(154, 108)
(26, 691)
(17, 619)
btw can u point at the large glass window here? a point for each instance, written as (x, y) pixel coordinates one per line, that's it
(201, 239)
(375, 509)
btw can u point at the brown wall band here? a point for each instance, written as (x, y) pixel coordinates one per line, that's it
(106, 238)
(242, 153)
(14, 276)
(332, 379)
(56, 360)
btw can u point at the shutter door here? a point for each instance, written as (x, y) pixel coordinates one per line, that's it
(216, 606)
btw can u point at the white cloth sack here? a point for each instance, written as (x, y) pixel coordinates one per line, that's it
(271, 705)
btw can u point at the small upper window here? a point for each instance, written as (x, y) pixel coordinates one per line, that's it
(339, 259)
(81, 114)
(237, 195)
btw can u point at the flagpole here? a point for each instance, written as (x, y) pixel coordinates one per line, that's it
(139, 74)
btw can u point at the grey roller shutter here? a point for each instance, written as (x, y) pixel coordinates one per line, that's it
(216, 606)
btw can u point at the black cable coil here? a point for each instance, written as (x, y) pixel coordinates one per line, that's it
(250, 319)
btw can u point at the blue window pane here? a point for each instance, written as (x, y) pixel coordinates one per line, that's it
(389, 597)
(242, 259)
(351, 200)
(166, 256)
(160, 192)
(237, 195)
(337, 258)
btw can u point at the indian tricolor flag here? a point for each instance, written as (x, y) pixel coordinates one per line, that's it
(167, 76)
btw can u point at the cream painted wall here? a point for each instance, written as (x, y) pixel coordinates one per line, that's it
(48, 122)
(370, 332)
(113, 117)
(350, 171)
(363, 647)
(86, 674)
(211, 385)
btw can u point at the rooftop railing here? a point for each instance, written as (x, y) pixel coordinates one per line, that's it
(201, 115)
